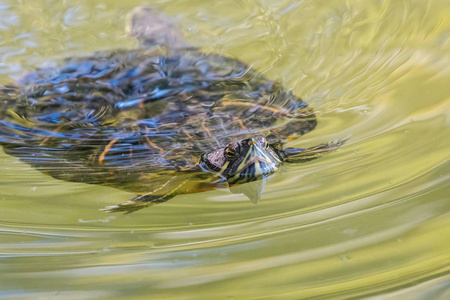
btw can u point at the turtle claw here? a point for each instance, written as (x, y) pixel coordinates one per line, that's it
(298, 155)
(126, 207)
(137, 203)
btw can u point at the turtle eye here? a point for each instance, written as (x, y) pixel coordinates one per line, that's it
(231, 151)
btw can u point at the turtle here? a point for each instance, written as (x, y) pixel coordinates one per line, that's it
(159, 120)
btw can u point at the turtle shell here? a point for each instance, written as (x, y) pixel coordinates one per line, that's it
(115, 115)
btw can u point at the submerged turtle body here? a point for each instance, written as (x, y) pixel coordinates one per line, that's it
(144, 110)
(156, 121)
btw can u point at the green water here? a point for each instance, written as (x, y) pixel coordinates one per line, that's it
(369, 221)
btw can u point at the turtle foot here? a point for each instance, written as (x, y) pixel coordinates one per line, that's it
(136, 203)
(152, 27)
(298, 155)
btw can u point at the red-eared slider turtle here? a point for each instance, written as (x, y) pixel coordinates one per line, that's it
(158, 121)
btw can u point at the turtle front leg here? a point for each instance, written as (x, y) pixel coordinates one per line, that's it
(299, 155)
(169, 187)
(137, 203)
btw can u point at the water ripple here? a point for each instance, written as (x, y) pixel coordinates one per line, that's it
(365, 222)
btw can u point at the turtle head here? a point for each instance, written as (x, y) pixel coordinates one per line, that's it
(244, 160)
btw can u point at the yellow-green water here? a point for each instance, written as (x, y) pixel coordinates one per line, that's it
(369, 221)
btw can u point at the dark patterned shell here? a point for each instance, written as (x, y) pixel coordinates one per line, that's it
(135, 111)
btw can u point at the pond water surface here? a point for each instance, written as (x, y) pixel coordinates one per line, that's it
(370, 220)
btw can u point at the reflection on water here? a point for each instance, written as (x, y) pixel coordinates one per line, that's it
(369, 220)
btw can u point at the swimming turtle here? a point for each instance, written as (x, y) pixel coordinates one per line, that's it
(161, 120)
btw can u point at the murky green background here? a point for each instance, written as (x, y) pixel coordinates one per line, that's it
(371, 220)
